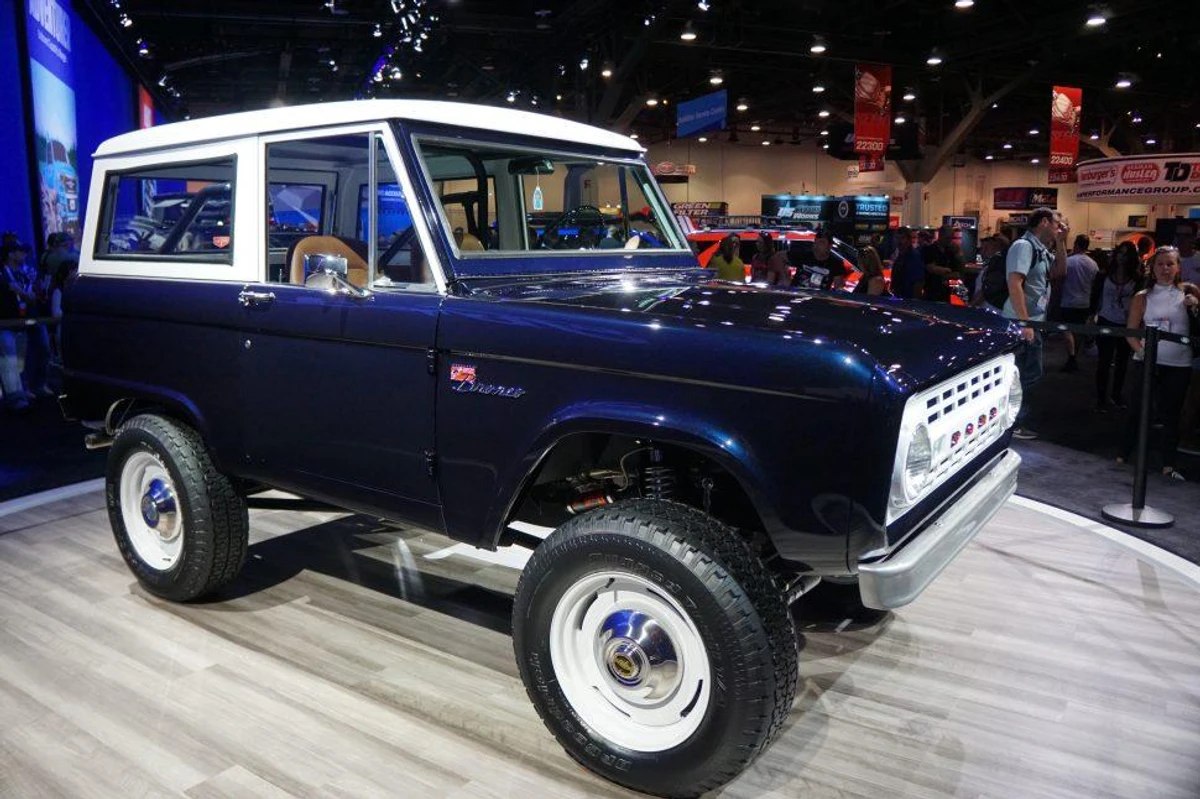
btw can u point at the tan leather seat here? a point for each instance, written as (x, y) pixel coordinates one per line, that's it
(470, 243)
(356, 262)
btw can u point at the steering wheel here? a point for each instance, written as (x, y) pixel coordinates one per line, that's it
(579, 216)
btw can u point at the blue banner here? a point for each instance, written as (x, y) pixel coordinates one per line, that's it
(52, 83)
(703, 113)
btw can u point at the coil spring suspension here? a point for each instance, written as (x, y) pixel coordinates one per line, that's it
(658, 481)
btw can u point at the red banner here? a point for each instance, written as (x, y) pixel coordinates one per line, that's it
(145, 108)
(1066, 114)
(872, 109)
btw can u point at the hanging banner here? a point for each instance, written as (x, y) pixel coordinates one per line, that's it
(703, 113)
(872, 109)
(145, 108)
(1066, 111)
(52, 87)
(870, 163)
(1141, 178)
(1023, 198)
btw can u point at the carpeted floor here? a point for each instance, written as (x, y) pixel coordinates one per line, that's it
(1071, 466)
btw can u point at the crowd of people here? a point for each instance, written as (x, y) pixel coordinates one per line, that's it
(30, 307)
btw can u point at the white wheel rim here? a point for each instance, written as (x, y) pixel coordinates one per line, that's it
(630, 661)
(150, 511)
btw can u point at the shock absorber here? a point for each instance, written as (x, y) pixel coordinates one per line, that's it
(658, 480)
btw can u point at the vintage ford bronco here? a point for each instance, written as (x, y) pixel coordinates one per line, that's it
(351, 303)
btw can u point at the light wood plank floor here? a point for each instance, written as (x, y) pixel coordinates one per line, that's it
(1045, 663)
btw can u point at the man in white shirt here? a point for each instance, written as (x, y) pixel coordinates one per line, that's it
(1077, 293)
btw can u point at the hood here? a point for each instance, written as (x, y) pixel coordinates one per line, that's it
(916, 343)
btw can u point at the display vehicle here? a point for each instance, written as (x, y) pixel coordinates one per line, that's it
(349, 303)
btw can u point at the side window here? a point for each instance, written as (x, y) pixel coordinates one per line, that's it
(172, 212)
(321, 218)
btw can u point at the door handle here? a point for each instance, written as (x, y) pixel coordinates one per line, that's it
(249, 299)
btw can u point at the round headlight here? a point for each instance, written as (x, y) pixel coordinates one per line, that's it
(918, 466)
(1015, 397)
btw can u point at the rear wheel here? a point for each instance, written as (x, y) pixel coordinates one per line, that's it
(181, 525)
(655, 646)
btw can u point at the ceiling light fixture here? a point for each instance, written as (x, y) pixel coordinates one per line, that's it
(743, 105)
(1137, 119)
(935, 58)
(633, 135)
(766, 143)
(651, 101)
(702, 139)
(125, 21)
(1096, 136)
(1035, 160)
(1096, 17)
(1007, 146)
(824, 146)
(900, 120)
(824, 133)
(1124, 80)
(703, 5)
(823, 113)
(378, 32)
(607, 72)
(143, 48)
(583, 64)
(1151, 141)
(716, 79)
(909, 96)
(818, 45)
(1034, 132)
(756, 128)
(963, 3)
(989, 157)
(817, 89)
(688, 34)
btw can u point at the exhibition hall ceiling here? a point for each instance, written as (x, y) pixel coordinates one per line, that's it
(626, 63)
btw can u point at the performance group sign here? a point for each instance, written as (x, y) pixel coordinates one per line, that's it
(1149, 178)
(52, 84)
(1066, 111)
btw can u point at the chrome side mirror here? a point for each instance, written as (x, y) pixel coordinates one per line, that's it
(334, 283)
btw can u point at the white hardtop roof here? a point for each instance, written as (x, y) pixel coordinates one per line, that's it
(280, 120)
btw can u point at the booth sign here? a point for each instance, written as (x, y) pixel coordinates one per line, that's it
(1137, 178)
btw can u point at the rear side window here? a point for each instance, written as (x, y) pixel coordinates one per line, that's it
(171, 212)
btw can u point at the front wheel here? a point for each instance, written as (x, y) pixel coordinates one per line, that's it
(655, 646)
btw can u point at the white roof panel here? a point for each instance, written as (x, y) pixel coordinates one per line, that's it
(279, 120)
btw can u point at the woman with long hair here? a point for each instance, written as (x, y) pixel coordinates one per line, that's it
(769, 265)
(1111, 298)
(1166, 304)
(872, 282)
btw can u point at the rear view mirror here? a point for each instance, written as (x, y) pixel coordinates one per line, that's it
(531, 165)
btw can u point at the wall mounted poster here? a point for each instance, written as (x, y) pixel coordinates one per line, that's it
(52, 84)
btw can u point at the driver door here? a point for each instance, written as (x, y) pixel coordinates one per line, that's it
(337, 396)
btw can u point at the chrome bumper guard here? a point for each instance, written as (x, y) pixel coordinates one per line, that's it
(899, 578)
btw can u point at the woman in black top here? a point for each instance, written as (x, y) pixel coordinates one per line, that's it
(872, 282)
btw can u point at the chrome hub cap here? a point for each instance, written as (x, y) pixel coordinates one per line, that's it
(630, 661)
(150, 511)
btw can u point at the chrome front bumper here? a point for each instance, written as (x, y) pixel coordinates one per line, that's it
(897, 579)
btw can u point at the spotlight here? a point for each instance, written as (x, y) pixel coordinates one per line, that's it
(818, 46)
(702, 139)
(909, 96)
(1096, 17)
(143, 48)
(125, 21)
(818, 89)
(1137, 119)
(935, 58)
(1151, 141)
(1034, 132)
(766, 143)
(824, 133)
(900, 120)
(583, 63)
(756, 128)
(989, 157)
(607, 72)
(822, 113)
(963, 3)
(743, 105)
(633, 135)
(511, 97)
(1007, 146)
(651, 101)
(1124, 80)
(688, 34)
(716, 79)
(378, 32)
(703, 5)
(1035, 160)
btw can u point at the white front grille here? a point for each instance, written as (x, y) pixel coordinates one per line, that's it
(966, 414)
(963, 415)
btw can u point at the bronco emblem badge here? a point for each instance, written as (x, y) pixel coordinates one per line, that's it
(463, 377)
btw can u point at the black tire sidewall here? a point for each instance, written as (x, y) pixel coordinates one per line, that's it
(714, 742)
(179, 581)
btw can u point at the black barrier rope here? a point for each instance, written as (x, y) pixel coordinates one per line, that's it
(1134, 513)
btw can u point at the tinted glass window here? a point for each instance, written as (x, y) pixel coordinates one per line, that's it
(172, 212)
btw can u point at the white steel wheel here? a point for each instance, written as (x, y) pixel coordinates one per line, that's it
(150, 511)
(630, 661)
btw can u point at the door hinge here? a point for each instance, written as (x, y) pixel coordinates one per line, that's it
(430, 462)
(431, 360)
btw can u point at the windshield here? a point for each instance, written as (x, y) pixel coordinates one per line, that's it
(510, 201)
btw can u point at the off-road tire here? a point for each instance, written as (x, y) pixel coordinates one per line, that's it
(216, 523)
(736, 605)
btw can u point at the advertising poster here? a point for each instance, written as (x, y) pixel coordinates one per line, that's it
(702, 114)
(52, 84)
(1066, 111)
(872, 109)
(1144, 178)
(145, 108)
(1023, 198)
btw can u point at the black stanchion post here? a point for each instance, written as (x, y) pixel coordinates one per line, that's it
(1136, 513)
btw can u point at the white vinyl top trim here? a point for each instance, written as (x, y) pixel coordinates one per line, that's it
(279, 120)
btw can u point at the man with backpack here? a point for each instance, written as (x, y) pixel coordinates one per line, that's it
(992, 288)
(1032, 261)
